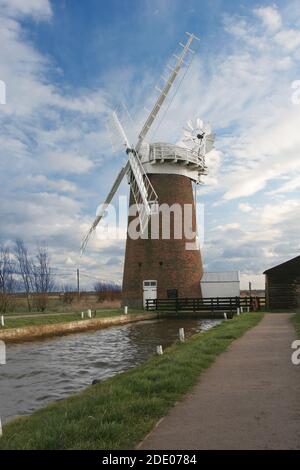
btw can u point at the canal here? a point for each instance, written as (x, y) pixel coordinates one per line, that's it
(40, 372)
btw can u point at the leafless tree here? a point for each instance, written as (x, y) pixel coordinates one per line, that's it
(25, 268)
(43, 279)
(107, 291)
(7, 280)
(36, 274)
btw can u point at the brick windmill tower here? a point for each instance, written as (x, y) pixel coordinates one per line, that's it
(162, 258)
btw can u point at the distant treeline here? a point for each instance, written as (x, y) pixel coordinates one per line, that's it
(31, 276)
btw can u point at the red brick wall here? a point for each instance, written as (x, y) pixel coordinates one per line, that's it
(166, 261)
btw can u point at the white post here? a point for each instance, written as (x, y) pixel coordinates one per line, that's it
(89, 313)
(2, 353)
(238, 311)
(181, 335)
(82, 314)
(159, 350)
(126, 310)
(225, 315)
(2, 320)
(248, 309)
(242, 309)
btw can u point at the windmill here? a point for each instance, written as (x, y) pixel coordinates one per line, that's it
(160, 173)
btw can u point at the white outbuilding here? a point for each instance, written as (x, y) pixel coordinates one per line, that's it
(221, 284)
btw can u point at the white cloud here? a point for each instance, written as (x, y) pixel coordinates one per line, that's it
(225, 227)
(213, 162)
(263, 237)
(270, 17)
(268, 151)
(66, 162)
(42, 183)
(277, 214)
(257, 281)
(38, 9)
(248, 184)
(288, 38)
(291, 185)
(244, 207)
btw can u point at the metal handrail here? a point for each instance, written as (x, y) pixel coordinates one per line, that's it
(161, 151)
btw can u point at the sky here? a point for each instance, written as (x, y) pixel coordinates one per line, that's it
(65, 63)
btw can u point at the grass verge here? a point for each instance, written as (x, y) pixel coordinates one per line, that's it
(44, 319)
(295, 319)
(119, 412)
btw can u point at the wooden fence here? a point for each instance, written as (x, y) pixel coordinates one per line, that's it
(211, 304)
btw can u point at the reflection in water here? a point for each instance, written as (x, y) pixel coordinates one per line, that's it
(40, 372)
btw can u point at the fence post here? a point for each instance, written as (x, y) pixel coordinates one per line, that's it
(258, 303)
(181, 335)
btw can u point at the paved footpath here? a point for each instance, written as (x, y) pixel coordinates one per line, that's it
(248, 399)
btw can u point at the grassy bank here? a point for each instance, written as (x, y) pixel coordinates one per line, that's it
(119, 412)
(44, 319)
(296, 322)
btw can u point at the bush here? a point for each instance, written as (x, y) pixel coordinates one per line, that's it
(108, 295)
(40, 302)
(7, 303)
(68, 297)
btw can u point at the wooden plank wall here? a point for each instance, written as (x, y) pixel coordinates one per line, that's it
(282, 291)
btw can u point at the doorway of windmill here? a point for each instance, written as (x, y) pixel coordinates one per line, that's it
(149, 291)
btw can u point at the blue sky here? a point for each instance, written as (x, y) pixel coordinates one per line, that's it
(65, 62)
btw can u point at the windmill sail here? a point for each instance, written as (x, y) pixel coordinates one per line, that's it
(144, 194)
(164, 92)
(116, 132)
(107, 201)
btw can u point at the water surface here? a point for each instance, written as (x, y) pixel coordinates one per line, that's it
(41, 372)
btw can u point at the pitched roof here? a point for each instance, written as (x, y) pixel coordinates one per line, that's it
(225, 276)
(292, 263)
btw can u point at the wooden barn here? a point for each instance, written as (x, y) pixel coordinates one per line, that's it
(283, 285)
